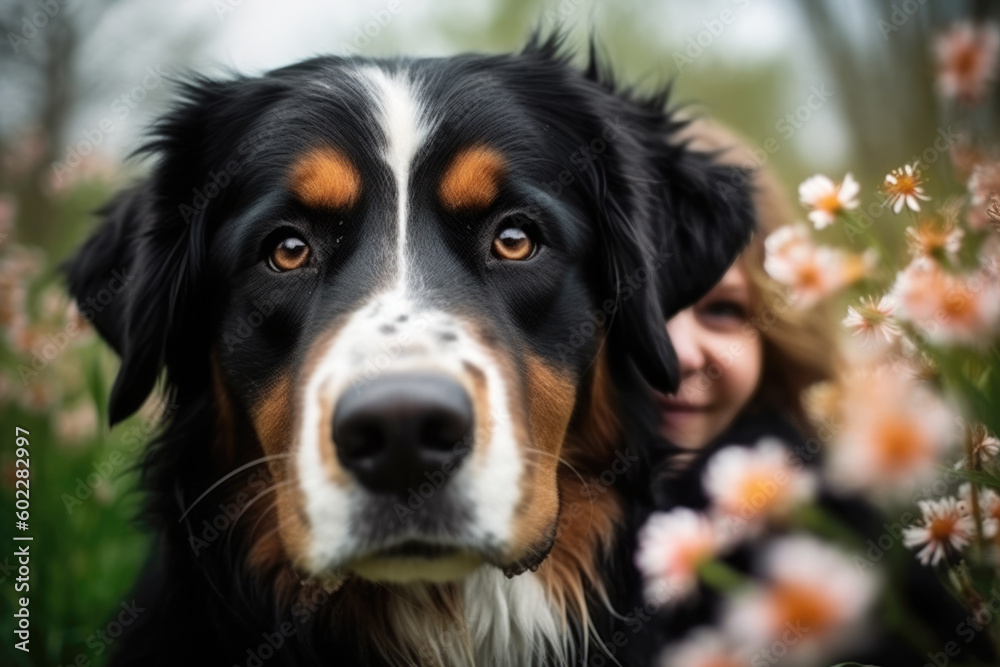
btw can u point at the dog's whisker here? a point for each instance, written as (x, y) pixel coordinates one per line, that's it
(236, 520)
(224, 478)
(586, 486)
(256, 524)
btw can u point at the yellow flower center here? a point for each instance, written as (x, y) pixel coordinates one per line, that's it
(905, 184)
(809, 276)
(758, 493)
(899, 444)
(959, 303)
(803, 607)
(941, 528)
(829, 202)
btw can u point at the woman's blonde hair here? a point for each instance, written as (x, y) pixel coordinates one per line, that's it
(800, 347)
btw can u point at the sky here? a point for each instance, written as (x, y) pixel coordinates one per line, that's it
(252, 36)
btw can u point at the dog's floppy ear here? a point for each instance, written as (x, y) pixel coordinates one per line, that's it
(138, 277)
(675, 220)
(132, 316)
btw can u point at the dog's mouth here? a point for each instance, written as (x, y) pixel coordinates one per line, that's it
(415, 561)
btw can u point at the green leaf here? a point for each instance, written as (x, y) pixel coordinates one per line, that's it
(97, 387)
(978, 476)
(721, 576)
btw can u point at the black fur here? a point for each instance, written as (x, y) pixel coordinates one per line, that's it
(632, 203)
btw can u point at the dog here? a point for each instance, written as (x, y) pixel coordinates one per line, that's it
(406, 314)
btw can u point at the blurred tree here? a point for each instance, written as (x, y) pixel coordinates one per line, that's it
(50, 73)
(883, 50)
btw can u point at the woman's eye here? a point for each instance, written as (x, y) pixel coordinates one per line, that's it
(725, 309)
(513, 243)
(290, 253)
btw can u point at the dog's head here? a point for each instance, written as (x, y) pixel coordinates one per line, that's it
(418, 282)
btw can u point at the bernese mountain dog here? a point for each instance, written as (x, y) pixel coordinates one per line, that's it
(408, 313)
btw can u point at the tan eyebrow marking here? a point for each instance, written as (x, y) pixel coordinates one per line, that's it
(325, 178)
(472, 180)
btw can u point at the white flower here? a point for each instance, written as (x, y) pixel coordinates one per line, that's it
(872, 321)
(827, 199)
(703, 647)
(985, 449)
(812, 590)
(813, 272)
(753, 483)
(903, 187)
(989, 508)
(945, 526)
(672, 545)
(788, 240)
(930, 239)
(892, 434)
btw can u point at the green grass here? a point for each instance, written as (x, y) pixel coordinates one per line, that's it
(84, 558)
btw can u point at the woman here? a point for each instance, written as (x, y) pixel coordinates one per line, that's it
(747, 357)
(745, 353)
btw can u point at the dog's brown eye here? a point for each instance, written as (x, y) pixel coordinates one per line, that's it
(290, 253)
(513, 243)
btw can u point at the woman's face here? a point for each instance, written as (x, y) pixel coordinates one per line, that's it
(720, 357)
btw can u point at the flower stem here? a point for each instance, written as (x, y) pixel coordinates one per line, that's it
(721, 577)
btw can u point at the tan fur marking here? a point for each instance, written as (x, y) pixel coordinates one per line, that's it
(472, 180)
(260, 489)
(481, 408)
(283, 534)
(589, 509)
(550, 397)
(272, 416)
(325, 178)
(587, 522)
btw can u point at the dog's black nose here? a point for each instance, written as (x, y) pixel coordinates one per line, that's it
(403, 429)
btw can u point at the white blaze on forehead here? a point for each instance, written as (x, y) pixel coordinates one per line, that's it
(402, 120)
(395, 332)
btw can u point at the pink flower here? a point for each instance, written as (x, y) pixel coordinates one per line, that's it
(811, 272)
(812, 589)
(672, 545)
(934, 240)
(948, 308)
(76, 425)
(967, 61)
(892, 435)
(750, 484)
(983, 184)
